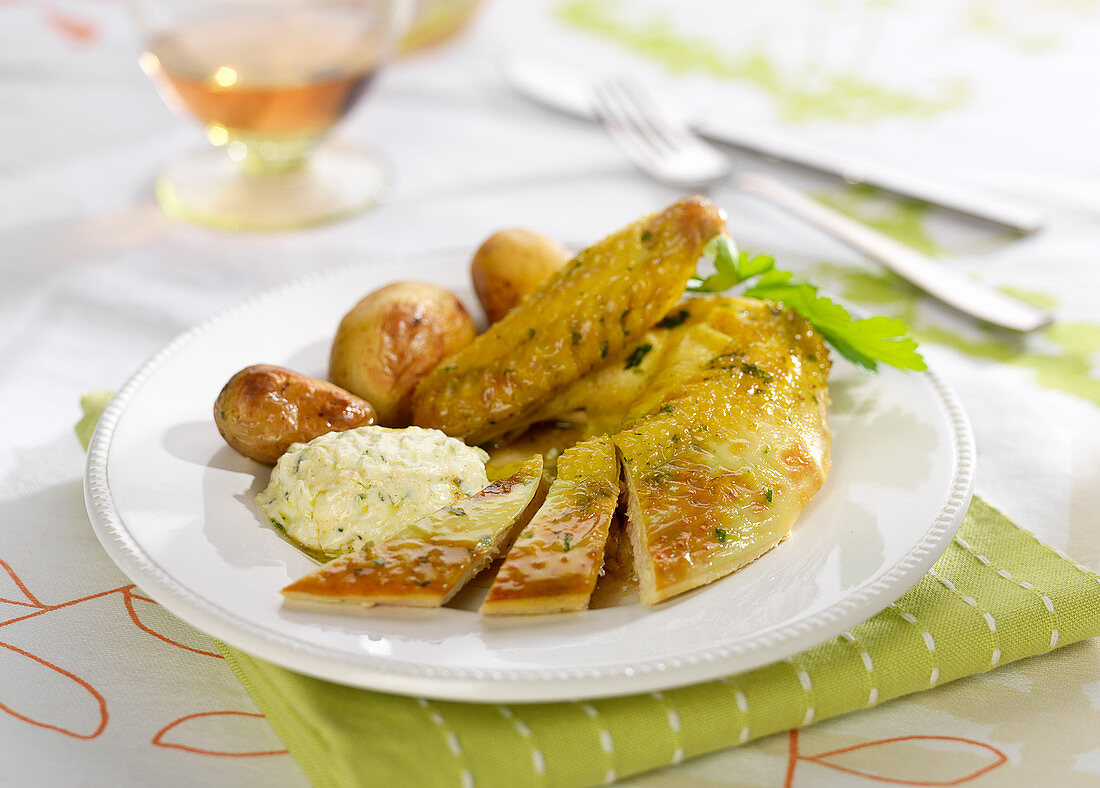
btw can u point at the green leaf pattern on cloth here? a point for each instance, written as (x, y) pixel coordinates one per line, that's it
(843, 97)
(1061, 355)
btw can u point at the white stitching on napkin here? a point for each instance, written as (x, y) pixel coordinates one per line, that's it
(672, 716)
(926, 636)
(1048, 603)
(538, 760)
(986, 616)
(607, 743)
(451, 739)
(808, 688)
(868, 665)
(743, 707)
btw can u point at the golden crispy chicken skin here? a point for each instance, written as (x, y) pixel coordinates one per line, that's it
(718, 471)
(590, 310)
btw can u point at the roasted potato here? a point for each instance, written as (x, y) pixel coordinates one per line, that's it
(393, 338)
(263, 409)
(511, 265)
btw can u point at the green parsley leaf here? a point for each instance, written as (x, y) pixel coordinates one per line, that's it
(720, 534)
(638, 354)
(725, 268)
(747, 268)
(863, 342)
(672, 321)
(730, 268)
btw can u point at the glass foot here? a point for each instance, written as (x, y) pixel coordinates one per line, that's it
(208, 187)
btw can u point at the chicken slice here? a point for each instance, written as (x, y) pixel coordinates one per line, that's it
(554, 562)
(435, 556)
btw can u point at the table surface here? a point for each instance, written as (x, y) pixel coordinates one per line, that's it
(101, 686)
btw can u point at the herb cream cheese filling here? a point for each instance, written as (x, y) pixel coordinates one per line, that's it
(344, 490)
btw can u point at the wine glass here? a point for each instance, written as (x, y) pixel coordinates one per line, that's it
(268, 79)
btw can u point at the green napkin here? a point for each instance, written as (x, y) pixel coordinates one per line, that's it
(996, 595)
(92, 404)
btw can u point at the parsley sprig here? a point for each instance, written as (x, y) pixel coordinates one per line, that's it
(863, 342)
(729, 270)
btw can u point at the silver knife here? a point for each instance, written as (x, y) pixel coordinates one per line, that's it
(554, 88)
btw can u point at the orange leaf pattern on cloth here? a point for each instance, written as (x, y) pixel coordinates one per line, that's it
(72, 28)
(84, 708)
(195, 733)
(80, 700)
(893, 759)
(131, 596)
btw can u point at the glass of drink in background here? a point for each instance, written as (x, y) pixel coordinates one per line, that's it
(268, 79)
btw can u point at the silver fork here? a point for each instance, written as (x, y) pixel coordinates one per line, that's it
(666, 150)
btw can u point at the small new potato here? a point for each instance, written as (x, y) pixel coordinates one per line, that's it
(263, 409)
(511, 265)
(393, 338)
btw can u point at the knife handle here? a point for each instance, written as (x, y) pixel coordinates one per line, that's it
(944, 283)
(960, 199)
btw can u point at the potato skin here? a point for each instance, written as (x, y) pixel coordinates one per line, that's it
(263, 409)
(393, 338)
(510, 265)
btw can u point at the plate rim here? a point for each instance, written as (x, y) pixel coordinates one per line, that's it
(492, 685)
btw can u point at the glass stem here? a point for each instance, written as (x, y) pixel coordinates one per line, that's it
(267, 157)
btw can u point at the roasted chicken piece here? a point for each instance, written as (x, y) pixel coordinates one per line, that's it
(590, 310)
(555, 560)
(434, 557)
(726, 459)
(623, 388)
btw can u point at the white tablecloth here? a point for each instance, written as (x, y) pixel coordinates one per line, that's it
(99, 686)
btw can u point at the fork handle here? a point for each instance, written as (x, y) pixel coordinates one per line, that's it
(942, 282)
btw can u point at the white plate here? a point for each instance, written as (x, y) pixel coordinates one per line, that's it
(172, 505)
